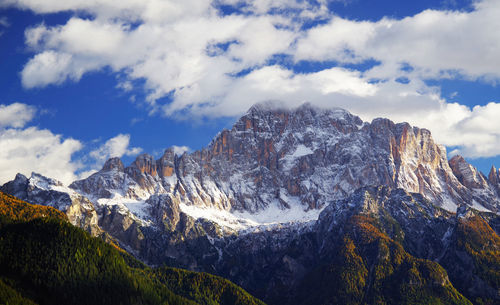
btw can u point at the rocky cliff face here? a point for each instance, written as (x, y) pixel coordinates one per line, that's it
(305, 157)
(292, 261)
(50, 192)
(270, 199)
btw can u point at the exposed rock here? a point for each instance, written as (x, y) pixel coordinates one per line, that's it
(494, 176)
(307, 157)
(113, 164)
(468, 175)
(42, 190)
(246, 206)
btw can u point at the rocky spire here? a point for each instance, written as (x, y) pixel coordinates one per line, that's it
(16, 187)
(145, 163)
(113, 163)
(144, 171)
(493, 176)
(166, 164)
(467, 174)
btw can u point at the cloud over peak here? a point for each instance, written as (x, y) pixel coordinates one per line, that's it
(115, 147)
(209, 61)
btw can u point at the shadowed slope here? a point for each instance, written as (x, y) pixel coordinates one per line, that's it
(49, 261)
(371, 268)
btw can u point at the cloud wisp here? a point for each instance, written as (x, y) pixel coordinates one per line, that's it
(115, 147)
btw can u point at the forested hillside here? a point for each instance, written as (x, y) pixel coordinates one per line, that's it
(46, 260)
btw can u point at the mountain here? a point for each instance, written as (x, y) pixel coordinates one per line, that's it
(46, 260)
(13, 209)
(79, 210)
(290, 197)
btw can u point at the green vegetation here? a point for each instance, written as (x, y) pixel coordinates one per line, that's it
(482, 243)
(10, 296)
(16, 210)
(46, 260)
(480, 248)
(201, 287)
(371, 268)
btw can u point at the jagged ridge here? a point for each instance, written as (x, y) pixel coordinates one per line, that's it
(246, 205)
(45, 260)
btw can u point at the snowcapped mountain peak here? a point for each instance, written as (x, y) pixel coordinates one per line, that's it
(276, 157)
(42, 182)
(283, 165)
(273, 119)
(39, 189)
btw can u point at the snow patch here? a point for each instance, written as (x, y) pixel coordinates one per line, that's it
(137, 208)
(301, 151)
(449, 205)
(476, 205)
(271, 216)
(447, 234)
(221, 217)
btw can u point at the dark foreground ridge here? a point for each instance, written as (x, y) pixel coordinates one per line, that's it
(46, 260)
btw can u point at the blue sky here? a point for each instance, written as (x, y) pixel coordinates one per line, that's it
(82, 81)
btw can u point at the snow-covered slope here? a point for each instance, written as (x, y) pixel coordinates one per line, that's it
(42, 190)
(247, 205)
(277, 165)
(274, 166)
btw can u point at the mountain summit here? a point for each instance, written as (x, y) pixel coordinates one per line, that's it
(301, 159)
(276, 190)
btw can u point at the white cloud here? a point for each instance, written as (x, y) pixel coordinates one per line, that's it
(179, 150)
(477, 133)
(16, 115)
(30, 149)
(125, 86)
(435, 42)
(188, 49)
(334, 87)
(170, 51)
(47, 68)
(334, 40)
(115, 147)
(34, 150)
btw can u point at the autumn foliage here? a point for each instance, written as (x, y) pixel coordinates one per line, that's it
(13, 209)
(46, 260)
(371, 268)
(482, 243)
